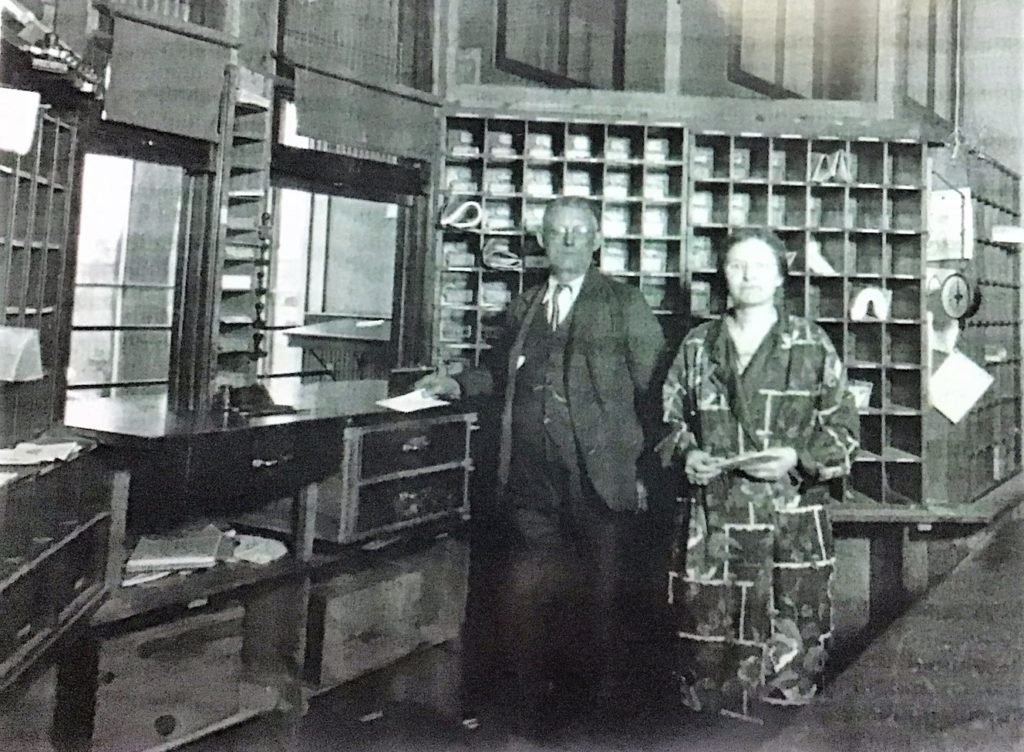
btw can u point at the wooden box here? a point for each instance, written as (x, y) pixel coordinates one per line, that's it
(178, 677)
(363, 621)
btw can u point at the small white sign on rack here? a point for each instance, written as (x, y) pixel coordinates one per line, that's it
(950, 224)
(18, 125)
(1007, 234)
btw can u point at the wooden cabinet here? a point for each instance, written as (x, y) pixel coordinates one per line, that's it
(55, 525)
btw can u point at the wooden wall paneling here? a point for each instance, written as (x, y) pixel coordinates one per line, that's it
(150, 87)
(371, 118)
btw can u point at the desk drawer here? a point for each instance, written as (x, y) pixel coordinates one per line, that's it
(402, 502)
(78, 566)
(411, 447)
(261, 463)
(25, 617)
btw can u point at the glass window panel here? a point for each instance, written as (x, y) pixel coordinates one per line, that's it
(106, 200)
(94, 306)
(944, 52)
(106, 356)
(758, 38)
(153, 224)
(917, 51)
(128, 239)
(533, 33)
(113, 306)
(91, 359)
(361, 241)
(592, 42)
(142, 355)
(146, 307)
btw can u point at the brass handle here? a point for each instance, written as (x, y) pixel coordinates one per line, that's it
(416, 444)
(259, 462)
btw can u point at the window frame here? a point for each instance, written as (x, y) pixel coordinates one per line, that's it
(195, 158)
(560, 78)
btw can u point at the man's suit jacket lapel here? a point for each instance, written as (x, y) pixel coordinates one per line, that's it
(585, 311)
(533, 306)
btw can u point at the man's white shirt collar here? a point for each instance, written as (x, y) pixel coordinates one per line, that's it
(575, 285)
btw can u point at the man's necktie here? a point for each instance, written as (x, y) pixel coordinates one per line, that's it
(556, 305)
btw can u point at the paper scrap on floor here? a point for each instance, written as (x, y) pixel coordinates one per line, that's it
(6, 478)
(411, 402)
(30, 453)
(255, 549)
(957, 385)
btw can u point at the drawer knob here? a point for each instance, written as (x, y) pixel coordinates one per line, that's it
(259, 462)
(416, 444)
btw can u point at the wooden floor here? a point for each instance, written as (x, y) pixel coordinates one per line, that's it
(947, 676)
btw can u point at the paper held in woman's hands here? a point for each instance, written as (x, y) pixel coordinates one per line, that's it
(746, 459)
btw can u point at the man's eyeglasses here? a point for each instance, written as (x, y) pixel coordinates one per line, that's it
(569, 235)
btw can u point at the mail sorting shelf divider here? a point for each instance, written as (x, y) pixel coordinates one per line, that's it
(635, 175)
(984, 449)
(851, 211)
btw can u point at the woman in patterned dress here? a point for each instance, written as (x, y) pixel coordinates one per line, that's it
(750, 584)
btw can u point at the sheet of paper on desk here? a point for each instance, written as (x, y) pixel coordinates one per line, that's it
(411, 402)
(957, 385)
(28, 453)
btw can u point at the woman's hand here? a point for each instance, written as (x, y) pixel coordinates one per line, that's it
(439, 385)
(701, 467)
(781, 461)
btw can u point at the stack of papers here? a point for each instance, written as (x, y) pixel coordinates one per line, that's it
(197, 550)
(411, 402)
(29, 453)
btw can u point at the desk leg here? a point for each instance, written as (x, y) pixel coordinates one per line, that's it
(275, 623)
(75, 700)
(116, 553)
(304, 521)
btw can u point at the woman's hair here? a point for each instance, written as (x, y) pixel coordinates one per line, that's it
(763, 234)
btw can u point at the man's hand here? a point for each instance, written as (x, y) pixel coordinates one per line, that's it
(701, 467)
(781, 461)
(439, 385)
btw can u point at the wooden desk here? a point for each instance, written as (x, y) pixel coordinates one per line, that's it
(186, 466)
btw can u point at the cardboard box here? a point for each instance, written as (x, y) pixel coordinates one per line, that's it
(362, 621)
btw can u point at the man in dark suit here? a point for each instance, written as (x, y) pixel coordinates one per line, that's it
(583, 355)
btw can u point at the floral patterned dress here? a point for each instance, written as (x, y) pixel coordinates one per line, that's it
(750, 583)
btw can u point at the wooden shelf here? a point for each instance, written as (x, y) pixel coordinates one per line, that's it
(877, 208)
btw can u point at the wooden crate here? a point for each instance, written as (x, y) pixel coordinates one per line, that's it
(176, 678)
(363, 621)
